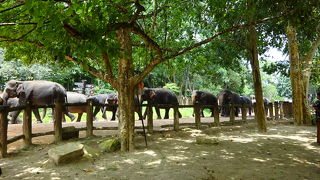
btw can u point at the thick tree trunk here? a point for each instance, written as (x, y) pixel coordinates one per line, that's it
(253, 54)
(295, 75)
(125, 91)
(260, 113)
(306, 73)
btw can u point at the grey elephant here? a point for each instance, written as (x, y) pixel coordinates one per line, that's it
(247, 103)
(38, 92)
(73, 97)
(158, 96)
(97, 100)
(111, 99)
(12, 102)
(227, 97)
(205, 98)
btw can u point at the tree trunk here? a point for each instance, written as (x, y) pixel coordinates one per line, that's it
(253, 54)
(306, 73)
(125, 91)
(295, 75)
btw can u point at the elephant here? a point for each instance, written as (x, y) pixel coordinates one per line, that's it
(160, 96)
(227, 97)
(137, 108)
(205, 98)
(111, 99)
(73, 97)
(99, 99)
(247, 103)
(38, 92)
(12, 102)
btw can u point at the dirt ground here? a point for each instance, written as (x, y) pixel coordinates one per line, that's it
(239, 152)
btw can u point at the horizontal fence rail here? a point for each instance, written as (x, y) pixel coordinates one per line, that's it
(276, 110)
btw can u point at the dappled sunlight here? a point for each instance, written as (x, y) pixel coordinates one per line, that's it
(243, 140)
(259, 160)
(153, 163)
(148, 152)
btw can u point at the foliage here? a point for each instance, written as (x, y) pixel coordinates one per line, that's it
(172, 87)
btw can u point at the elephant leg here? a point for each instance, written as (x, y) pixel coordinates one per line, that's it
(166, 116)
(212, 112)
(44, 112)
(96, 111)
(113, 115)
(79, 117)
(71, 116)
(37, 115)
(180, 116)
(158, 113)
(145, 113)
(14, 117)
(104, 112)
(201, 112)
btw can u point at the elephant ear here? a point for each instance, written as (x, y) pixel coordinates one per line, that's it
(21, 94)
(152, 94)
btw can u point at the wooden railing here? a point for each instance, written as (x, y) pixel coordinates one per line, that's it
(276, 111)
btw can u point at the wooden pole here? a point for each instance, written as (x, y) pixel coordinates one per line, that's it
(271, 115)
(216, 116)
(281, 110)
(27, 124)
(58, 121)
(150, 118)
(318, 130)
(285, 107)
(176, 118)
(244, 113)
(276, 110)
(197, 116)
(89, 117)
(3, 132)
(232, 115)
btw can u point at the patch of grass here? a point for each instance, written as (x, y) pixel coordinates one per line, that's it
(185, 112)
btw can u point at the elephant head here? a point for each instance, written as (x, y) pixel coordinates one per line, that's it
(148, 95)
(227, 97)
(14, 89)
(196, 96)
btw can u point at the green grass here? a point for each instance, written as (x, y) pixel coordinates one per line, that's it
(185, 112)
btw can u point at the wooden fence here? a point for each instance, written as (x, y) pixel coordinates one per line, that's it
(276, 111)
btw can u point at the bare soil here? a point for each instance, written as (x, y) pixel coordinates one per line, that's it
(239, 152)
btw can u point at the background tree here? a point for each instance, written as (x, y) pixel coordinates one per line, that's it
(120, 42)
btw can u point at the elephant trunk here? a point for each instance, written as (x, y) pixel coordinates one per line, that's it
(3, 98)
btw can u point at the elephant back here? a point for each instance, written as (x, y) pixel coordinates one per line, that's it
(165, 96)
(42, 92)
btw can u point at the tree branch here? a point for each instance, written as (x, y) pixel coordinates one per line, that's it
(107, 64)
(140, 9)
(93, 71)
(73, 32)
(17, 24)
(235, 28)
(138, 78)
(150, 42)
(156, 12)
(13, 7)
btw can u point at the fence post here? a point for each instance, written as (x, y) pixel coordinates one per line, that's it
(27, 124)
(58, 121)
(244, 113)
(276, 110)
(150, 117)
(3, 131)
(89, 117)
(281, 109)
(216, 116)
(232, 113)
(197, 115)
(271, 115)
(176, 117)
